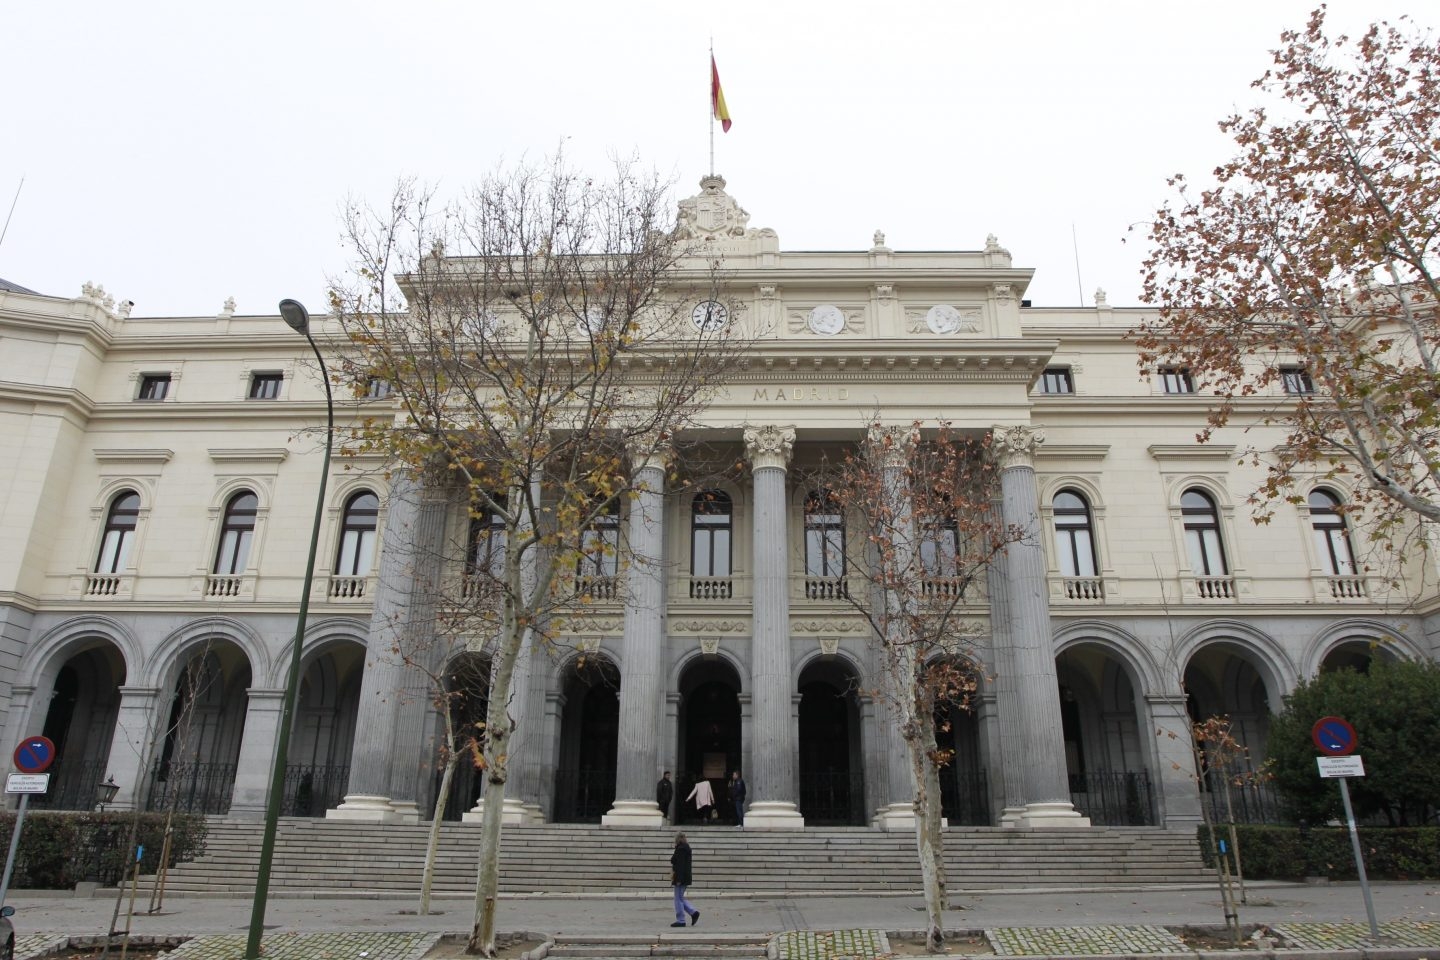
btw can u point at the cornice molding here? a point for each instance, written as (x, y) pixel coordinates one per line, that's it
(1165, 452)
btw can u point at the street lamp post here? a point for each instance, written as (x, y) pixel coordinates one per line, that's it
(296, 317)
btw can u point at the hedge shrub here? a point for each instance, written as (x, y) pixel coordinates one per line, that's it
(1282, 853)
(58, 850)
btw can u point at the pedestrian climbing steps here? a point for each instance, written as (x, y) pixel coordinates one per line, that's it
(340, 856)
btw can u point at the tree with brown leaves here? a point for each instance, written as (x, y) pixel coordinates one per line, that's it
(1301, 289)
(535, 341)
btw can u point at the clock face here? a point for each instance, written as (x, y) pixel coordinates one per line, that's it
(483, 326)
(827, 320)
(592, 321)
(943, 318)
(709, 315)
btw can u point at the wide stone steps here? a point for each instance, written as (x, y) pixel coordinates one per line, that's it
(327, 856)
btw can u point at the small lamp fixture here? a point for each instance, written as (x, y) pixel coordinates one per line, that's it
(105, 792)
(295, 315)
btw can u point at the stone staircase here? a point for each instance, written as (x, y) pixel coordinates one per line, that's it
(339, 857)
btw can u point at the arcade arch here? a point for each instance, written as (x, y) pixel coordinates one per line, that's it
(84, 705)
(709, 736)
(831, 774)
(589, 733)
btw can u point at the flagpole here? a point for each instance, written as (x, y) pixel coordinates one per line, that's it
(710, 107)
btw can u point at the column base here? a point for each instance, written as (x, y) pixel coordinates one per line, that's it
(773, 815)
(1049, 814)
(633, 813)
(512, 812)
(899, 816)
(407, 810)
(1011, 816)
(360, 806)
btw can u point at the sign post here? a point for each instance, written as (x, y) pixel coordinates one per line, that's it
(1336, 739)
(32, 758)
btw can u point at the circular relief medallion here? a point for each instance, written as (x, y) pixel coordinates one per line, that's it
(592, 321)
(942, 318)
(709, 315)
(827, 320)
(483, 326)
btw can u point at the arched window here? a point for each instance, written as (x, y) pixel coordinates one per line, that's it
(1074, 535)
(1202, 535)
(940, 547)
(488, 536)
(357, 535)
(119, 535)
(824, 535)
(600, 545)
(236, 532)
(1332, 540)
(710, 527)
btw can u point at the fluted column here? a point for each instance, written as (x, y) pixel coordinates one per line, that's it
(641, 689)
(1032, 660)
(368, 795)
(1008, 761)
(772, 774)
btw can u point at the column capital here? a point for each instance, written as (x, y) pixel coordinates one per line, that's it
(890, 446)
(648, 452)
(769, 446)
(1015, 446)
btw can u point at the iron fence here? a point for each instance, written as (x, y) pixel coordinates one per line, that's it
(1114, 799)
(832, 798)
(191, 787)
(311, 789)
(73, 786)
(1251, 801)
(583, 795)
(964, 797)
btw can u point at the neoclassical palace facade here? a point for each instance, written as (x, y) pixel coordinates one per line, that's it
(158, 485)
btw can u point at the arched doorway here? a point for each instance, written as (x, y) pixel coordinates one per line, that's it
(467, 683)
(1222, 683)
(589, 738)
(1104, 755)
(195, 771)
(832, 787)
(709, 738)
(323, 731)
(84, 706)
(1354, 655)
(964, 785)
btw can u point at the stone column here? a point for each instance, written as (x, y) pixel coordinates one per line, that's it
(641, 688)
(1007, 762)
(135, 728)
(772, 774)
(373, 752)
(256, 762)
(1032, 659)
(1173, 760)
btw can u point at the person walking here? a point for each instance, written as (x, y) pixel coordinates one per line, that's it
(664, 793)
(704, 798)
(737, 796)
(680, 878)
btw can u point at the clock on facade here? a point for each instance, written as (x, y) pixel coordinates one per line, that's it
(482, 326)
(592, 321)
(827, 320)
(709, 315)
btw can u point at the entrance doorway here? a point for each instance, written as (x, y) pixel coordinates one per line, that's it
(832, 788)
(589, 738)
(709, 738)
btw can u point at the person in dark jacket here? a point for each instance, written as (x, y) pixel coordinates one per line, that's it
(737, 796)
(664, 793)
(680, 878)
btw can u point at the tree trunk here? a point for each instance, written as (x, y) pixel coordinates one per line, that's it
(933, 806)
(497, 760)
(927, 834)
(432, 847)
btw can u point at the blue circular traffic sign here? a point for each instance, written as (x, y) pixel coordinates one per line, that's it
(34, 755)
(1334, 736)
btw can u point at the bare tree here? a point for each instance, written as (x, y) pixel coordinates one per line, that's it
(535, 339)
(925, 499)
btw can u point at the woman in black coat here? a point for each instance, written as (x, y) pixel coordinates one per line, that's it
(680, 879)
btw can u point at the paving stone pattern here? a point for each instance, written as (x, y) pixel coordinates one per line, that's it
(1354, 936)
(825, 945)
(276, 946)
(1083, 941)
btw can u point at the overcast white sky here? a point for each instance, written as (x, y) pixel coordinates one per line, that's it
(182, 152)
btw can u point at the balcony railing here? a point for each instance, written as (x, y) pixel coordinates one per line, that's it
(1084, 589)
(105, 584)
(944, 588)
(346, 588)
(597, 588)
(223, 585)
(1347, 588)
(827, 588)
(711, 588)
(1215, 588)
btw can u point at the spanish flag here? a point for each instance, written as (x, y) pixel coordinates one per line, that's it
(717, 98)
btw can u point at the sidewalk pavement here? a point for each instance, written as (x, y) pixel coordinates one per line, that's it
(1040, 914)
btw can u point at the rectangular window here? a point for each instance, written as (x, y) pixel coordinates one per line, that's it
(1057, 380)
(266, 386)
(154, 386)
(377, 388)
(1176, 380)
(1296, 381)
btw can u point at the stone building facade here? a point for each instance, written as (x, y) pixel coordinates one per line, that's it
(155, 508)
